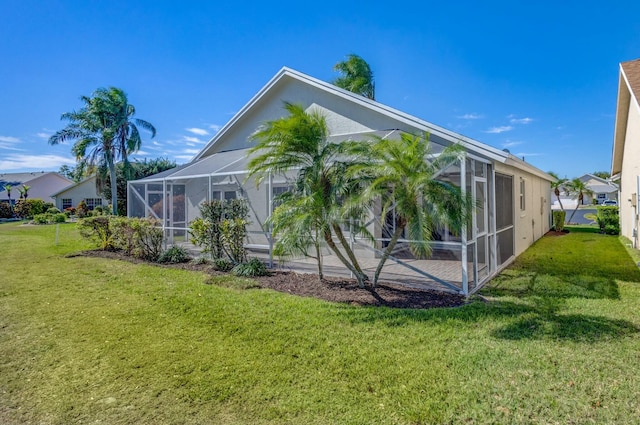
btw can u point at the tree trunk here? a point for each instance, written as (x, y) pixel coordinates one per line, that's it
(114, 188)
(577, 206)
(348, 250)
(318, 258)
(359, 275)
(388, 249)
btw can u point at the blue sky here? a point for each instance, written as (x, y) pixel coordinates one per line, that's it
(538, 78)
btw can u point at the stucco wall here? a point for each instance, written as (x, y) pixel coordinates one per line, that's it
(630, 171)
(84, 190)
(534, 221)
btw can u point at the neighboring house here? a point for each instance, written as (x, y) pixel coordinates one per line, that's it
(513, 197)
(85, 190)
(41, 185)
(603, 190)
(625, 165)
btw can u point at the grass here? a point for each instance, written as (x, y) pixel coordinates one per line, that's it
(93, 340)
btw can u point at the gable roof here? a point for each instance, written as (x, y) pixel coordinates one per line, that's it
(628, 92)
(17, 179)
(287, 75)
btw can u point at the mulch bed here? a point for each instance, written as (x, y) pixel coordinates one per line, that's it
(341, 290)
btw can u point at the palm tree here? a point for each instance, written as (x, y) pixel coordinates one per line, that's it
(577, 189)
(24, 191)
(557, 186)
(356, 76)
(300, 142)
(104, 132)
(8, 188)
(403, 175)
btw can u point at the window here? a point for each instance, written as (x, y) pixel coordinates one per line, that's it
(67, 203)
(93, 202)
(522, 194)
(223, 195)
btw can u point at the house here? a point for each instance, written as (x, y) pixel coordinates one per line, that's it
(85, 190)
(603, 190)
(513, 197)
(41, 185)
(625, 166)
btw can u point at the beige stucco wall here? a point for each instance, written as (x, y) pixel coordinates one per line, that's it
(83, 190)
(630, 171)
(534, 221)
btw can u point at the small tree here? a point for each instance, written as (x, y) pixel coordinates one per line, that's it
(557, 186)
(577, 189)
(24, 191)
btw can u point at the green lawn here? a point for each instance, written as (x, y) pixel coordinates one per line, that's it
(88, 340)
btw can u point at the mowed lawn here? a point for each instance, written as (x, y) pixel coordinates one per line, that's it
(88, 340)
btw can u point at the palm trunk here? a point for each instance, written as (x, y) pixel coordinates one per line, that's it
(348, 250)
(359, 275)
(560, 202)
(577, 206)
(387, 251)
(114, 188)
(319, 258)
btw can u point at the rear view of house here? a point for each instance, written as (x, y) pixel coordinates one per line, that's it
(512, 197)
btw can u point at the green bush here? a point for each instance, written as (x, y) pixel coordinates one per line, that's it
(608, 220)
(53, 210)
(252, 268)
(558, 220)
(137, 237)
(82, 210)
(222, 265)
(200, 260)
(59, 218)
(41, 219)
(27, 208)
(234, 232)
(174, 255)
(98, 229)
(5, 210)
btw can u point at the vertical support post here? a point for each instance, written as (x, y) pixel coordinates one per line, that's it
(494, 230)
(128, 200)
(164, 212)
(463, 233)
(270, 227)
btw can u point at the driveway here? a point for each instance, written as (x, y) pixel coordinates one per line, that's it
(579, 218)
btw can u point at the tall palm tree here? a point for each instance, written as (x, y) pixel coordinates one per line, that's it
(577, 189)
(356, 76)
(8, 188)
(403, 175)
(299, 142)
(104, 132)
(557, 186)
(24, 191)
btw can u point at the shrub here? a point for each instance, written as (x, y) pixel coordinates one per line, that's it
(558, 220)
(138, 237)
(200, 260)
(222, 265)
(234, 233)
(53, 210)
(59, 218)
(98, 230)
(608, 220)
(41, 219)
(27, 208)
(174, 255)
(82, 209)
(252, 268)
(5, 210)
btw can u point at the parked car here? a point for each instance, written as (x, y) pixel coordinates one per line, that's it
(609, 202)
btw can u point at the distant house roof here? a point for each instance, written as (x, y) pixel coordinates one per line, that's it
(628, 92)
(17, 179)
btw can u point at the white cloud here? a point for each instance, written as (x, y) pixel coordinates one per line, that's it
(526, 120)
(472, 116)
(190, 151)
(183, 157)
(509, 144)
(9, 139)
(198, 131)
(193, 139)
(498, 130)
(37, 162)
(43, 135)
(215, 127)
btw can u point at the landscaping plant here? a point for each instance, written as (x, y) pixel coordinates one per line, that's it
(558, 220)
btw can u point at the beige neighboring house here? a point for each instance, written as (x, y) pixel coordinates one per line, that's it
(625, 166)
(603, 190)
(85, 190)
(41, 185)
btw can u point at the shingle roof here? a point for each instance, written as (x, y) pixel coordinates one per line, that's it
(632, 72)
(16, 179)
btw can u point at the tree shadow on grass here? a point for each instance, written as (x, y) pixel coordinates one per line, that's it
(534, 310)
